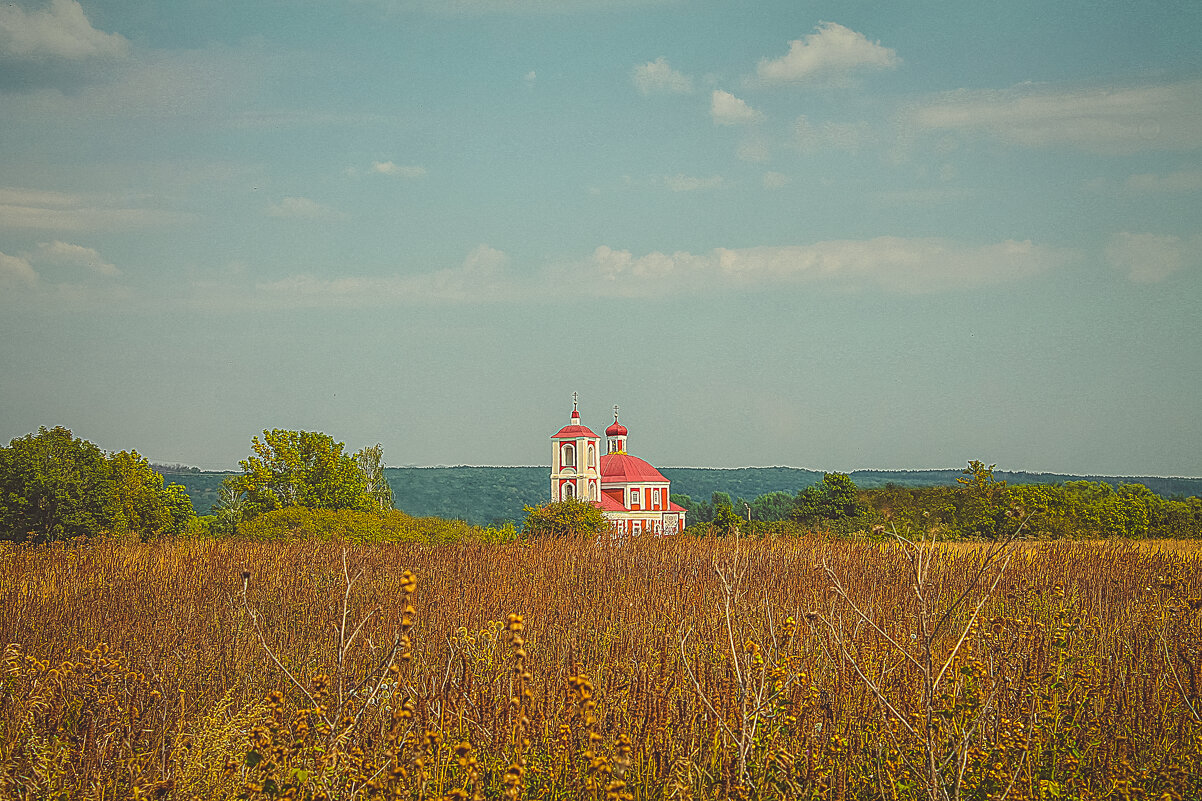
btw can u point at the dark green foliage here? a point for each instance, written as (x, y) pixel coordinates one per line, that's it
(567, 518)
(772, 507)
(479, 495)
(836, 498)
(54, 486)
(725, 520)
(917, 500)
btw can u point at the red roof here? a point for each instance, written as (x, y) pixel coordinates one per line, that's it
(616, 430)
(571, 432)
(675, 507)
(619, 467)
(608, 504)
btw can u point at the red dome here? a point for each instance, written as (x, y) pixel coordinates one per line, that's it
(616, 430)
(622, 467)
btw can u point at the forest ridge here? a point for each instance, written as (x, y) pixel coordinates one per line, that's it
(485, 495)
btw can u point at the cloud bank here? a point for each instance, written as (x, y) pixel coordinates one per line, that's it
(831, 56)
(487, 275)
(60, 31)
(1110, 121)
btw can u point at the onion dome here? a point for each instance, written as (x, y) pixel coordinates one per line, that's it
(616, 430)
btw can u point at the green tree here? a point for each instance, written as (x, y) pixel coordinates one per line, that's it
(371, 465)
(837, 497)
(300, 468)
(145, 506)
(230, 509)
(772, 506)
(566, 518)
(54, 486)
(986, 502)
(725, 520)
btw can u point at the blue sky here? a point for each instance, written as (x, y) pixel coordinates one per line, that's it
(828, 235)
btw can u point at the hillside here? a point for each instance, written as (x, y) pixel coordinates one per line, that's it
(485, 495)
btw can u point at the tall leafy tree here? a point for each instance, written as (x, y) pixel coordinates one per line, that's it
(230, 508)
(371, 465)
(300, 468)
(55, 486)
(985, 501)
(144, 505)
(837, 497)
(772, 506)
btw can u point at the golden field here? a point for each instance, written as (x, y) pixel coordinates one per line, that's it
(682, 668)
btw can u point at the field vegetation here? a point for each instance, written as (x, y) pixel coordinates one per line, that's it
(689, 667)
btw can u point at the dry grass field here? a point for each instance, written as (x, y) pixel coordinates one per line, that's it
(790, 668)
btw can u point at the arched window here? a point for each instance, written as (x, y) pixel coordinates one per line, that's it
(654, 499)
(592, 491)
(569, 455)
(569, 491)
(592, 455)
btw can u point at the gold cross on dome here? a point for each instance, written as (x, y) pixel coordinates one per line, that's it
(615, 412)
(574, 401)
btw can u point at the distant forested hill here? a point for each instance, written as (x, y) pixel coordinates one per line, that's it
(485, 495)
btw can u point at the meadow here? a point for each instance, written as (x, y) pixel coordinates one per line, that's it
(677, 668)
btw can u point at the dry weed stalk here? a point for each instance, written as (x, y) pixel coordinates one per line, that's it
(762, 681)
(944, 759)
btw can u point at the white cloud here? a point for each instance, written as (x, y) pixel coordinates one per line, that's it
(924, 196)
(829, 56)
(62, 211)
(68, 255)
(849, 137)
(726, 109)
(1149, 258)
(303, 208)
(775, 180)
(399, 170)
(689, 183)
(892, 264)
(60, 31)
(16, 271)
(1165, 116)
(753, 150)
(217, 85)
(1180, 182)
(657, 76)
(483, 277)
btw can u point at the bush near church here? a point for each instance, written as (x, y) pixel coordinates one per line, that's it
(566, 518)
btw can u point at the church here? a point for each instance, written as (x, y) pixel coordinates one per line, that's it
(628, 490)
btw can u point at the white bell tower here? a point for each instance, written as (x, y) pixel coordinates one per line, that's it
(575, 461)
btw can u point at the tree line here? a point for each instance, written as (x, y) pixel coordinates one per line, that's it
(979, 506)
(297, 484)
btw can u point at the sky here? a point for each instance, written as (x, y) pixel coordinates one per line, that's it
(833, 235)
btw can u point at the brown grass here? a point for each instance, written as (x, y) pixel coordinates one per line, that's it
(138, 670)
